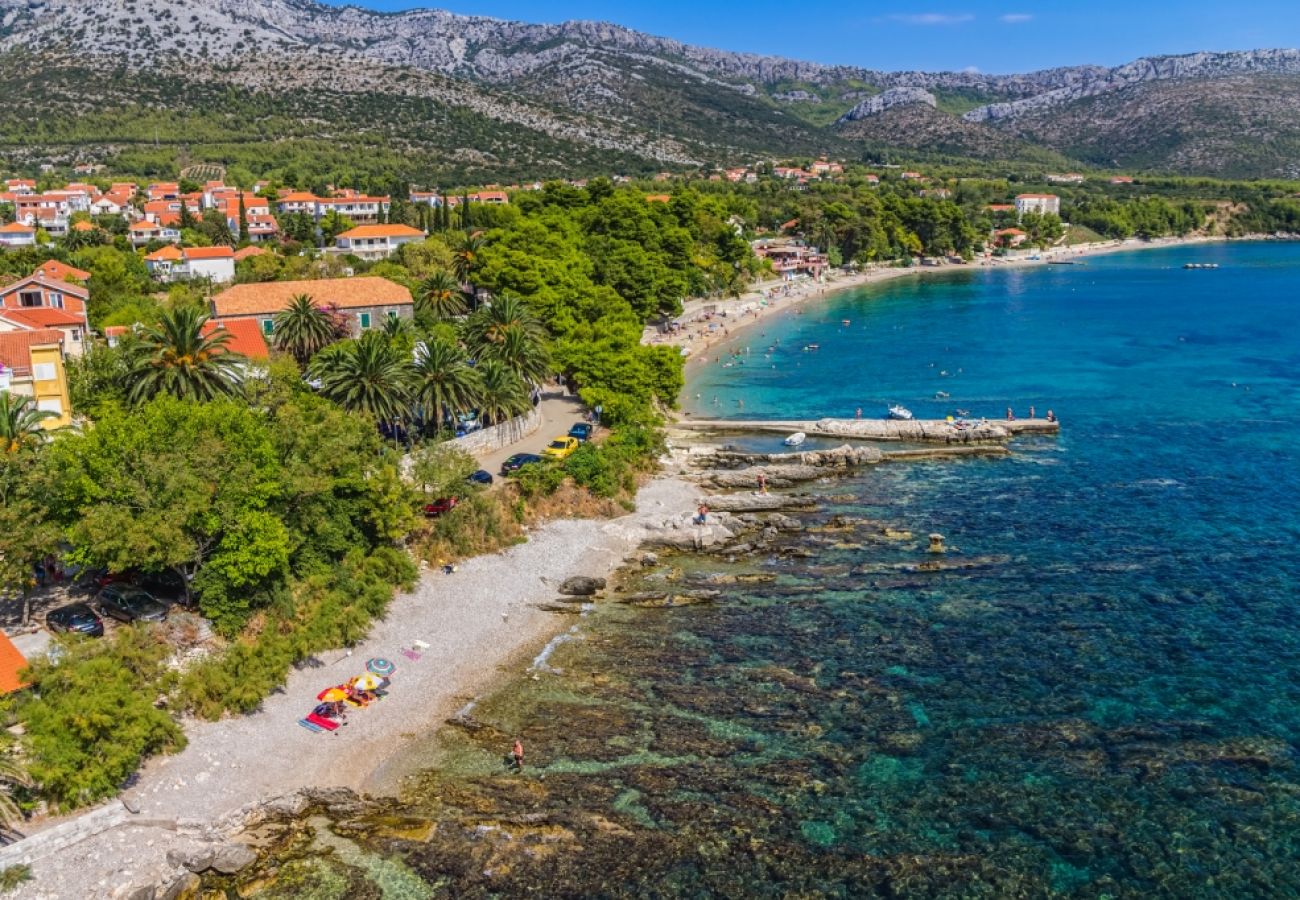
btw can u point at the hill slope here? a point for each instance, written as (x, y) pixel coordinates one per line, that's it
(467, 96)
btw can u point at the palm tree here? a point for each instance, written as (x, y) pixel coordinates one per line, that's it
(174, 357)
(20, 422)
(521, 352)
(303, 329)
(441, 297)
(503, 394)
(445, 381)
(489, 324)
(465, 260)
(11, 774)
(366, 375)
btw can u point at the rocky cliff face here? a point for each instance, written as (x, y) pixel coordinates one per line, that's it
(899, 96)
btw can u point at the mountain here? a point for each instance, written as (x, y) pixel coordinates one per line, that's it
(434, 94)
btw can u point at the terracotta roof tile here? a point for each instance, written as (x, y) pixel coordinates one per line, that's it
(245, 336)
(379, 231)
(273, 296)
(11, 663)
(163, 254)
(16, 346)
(17, 228)
(208, 252)
(61, 271)
(42, 317)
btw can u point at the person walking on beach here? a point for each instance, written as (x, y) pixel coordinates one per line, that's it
(858, 414)
(1031, 412)
(517, 754)
(1011, 417)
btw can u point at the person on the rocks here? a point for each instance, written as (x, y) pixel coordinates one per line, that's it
(702, 514)
(517, 754)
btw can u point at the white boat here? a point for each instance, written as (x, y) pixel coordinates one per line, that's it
(898, 411)
(796, 439)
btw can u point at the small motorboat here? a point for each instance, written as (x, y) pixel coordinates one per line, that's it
(898, 411)
(941, 395)
(796, 439)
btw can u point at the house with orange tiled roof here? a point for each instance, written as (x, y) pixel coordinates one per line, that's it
(1010, 237)
(17, 234)
(1040, 203)
(31, 365)
(161, 261)
(20, 185)
(367, 301)
(357, 207)
(141, 233)
(163, 190)
(169, 263)
(244, 253)
(376, 241)
(496, 198)
(246, 336)
(61, 271)
(296, 202)
(109, 205)
(39, 301)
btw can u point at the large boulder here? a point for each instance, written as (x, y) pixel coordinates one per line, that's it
(232, 858)
(193, 860)
(581, 585)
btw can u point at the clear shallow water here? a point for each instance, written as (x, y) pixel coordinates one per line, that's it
(1101, 700)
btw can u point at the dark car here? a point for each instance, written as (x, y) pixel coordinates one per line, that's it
(165, 586)
(518, 461)
(130, 604)
(440, 506)
(75, 617)
(582, 431)
(482, 476)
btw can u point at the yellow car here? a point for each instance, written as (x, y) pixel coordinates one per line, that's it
(561, 447)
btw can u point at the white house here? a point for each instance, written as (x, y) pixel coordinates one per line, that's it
(376, 241)
(215, 263)
(105, 206)
(16, 234)
(1038, 203)
(145, 231)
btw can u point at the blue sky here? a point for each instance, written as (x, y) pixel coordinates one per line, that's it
(1006, 36)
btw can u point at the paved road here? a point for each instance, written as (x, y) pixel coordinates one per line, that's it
(559, 413)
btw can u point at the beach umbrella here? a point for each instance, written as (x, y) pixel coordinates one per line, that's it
(380, 666)
(368, 682)
(333, 695)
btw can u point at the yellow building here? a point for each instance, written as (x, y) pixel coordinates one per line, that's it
(31, 365)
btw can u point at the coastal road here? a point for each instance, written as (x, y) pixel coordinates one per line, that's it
(559, 412)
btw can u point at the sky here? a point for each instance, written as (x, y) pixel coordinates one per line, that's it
(1001, 37)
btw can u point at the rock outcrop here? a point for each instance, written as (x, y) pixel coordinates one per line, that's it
(899, 96)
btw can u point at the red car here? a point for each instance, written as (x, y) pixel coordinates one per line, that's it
(440, 506)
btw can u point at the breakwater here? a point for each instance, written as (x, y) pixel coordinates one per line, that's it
(943, 431)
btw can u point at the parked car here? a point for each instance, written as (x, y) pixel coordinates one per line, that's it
(582, 431)
(130, 604)
(440, 506)
(167, 586)
(482, 476)
(518, 461)
(75, 617)
(561, 447)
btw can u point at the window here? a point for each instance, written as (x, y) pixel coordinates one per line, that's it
(56, 300)
(392, 315)
(52, 404)
(268, 326)
(44, 372)
(76, 334)
(29, 298)
(364, 319)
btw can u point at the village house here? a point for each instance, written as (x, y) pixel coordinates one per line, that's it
(1010, 237)
(427, 198)
(39, 302)
(20, 185)
(790, 258)
(1121, 179)
(165, 190)
(106, 206)
(244, 253)
(367, 301)
(495, 198)
(142, 232)
(912, 176)
(170, 263)
(357, 207)
(376, 241)
(31, 365)
(17, 234)
(61, 271)
(1039, 203)
(1068, 178)
(246, 337)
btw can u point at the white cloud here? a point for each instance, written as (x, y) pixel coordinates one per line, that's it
(1015, 18)
(971, 70)
(931, 18)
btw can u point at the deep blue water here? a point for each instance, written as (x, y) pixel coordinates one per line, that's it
(1102, 698)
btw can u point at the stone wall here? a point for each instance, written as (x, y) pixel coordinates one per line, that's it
(499, 436)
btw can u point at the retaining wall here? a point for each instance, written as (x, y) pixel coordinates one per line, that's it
(502, 435)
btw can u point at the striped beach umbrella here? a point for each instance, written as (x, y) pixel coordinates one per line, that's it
(380, 666)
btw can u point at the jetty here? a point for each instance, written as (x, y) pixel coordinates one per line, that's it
(920, 431)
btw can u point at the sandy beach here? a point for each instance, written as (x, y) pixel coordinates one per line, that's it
(481, 623)
(708, 323)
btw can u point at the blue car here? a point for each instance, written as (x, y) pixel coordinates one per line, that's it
(582, 431)
(482, 476)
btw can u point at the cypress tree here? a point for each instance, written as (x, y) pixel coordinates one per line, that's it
(243, 220)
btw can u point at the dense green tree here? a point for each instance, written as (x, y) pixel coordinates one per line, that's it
(175, 358)
(502, 394)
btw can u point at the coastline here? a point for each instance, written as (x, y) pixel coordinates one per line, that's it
(483, 625)
(737, 315)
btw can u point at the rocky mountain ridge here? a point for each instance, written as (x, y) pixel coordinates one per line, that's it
(622, 91)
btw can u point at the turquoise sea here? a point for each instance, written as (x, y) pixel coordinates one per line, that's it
(1099, 698)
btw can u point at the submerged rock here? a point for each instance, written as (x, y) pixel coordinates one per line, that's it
(581, 585)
